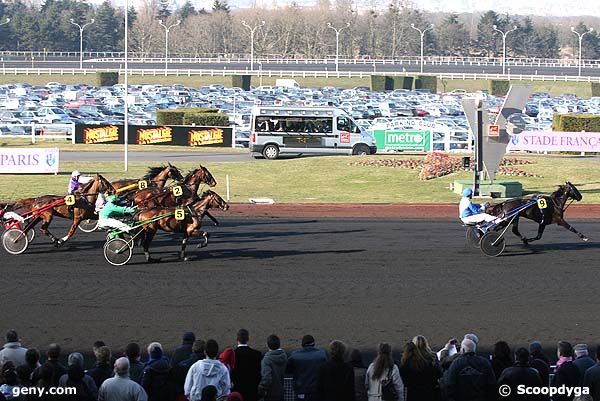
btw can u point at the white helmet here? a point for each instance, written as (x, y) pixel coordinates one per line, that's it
(75, 174)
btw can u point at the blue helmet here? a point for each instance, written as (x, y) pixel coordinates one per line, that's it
(468, 192)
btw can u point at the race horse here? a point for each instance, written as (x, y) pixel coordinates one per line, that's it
(551, 214)
(84, 208)
(165, 197)
(156, 177)
(189, 225)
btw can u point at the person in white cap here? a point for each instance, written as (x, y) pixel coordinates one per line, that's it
(121, 387)
(77, 180)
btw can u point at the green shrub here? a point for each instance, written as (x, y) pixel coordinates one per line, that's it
(381, 83)
(403, 82)
(499, 87)
(576, 122)
(178, 116)
(426, 82)
(595, 89)
(241, 81)
(107, 78)
(206, 119)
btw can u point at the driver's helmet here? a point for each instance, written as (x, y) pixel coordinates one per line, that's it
(468, 192)
(112, 198)
(75, 174)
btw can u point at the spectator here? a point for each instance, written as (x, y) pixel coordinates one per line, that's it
(184, 350)
(12, 350)
(246, 374)
(582, 359)
(304, 364)
(420, 371)
(360, 373)
(77, 378)
(158, 382)
(591, 379)
(50, 372)
(536, 352)
(235, 396)
(180, 371)
(382, 370)
(227, 358)
(155, 353)
(521, 374)
(470, 377)
(449, 353)
(335, 381)
(209, 393)
(566, 372)
(136, 368)
(272, 371)
(10, 383)
(584, 397)
(207, 372)
(101, 370)
(24, 371)
(121, 387)
(502, 358)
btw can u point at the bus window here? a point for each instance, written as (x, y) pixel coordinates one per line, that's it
(343, 124)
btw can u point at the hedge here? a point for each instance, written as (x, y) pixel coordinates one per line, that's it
(107, 78)
(206, 119)
(499, 87)
(241, 81)
(426, 82)
(576, 122)
(381, 83)
(403, 82)
(178, 116)
(595, 89)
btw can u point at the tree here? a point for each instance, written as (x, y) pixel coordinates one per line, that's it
(453, 37)
(548, 45)
(221, 5)
(590, 48)
(108, 29)
(487, 39)
(186, 10)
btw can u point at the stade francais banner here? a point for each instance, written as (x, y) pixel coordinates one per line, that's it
(555, 141)
(154, 135)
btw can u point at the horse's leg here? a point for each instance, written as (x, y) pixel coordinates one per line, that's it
(47, 218)
(566, 225)
(183, 244)
(149, 234)
(77, 217)
(515, 230)
(541, 229)
(210, 216)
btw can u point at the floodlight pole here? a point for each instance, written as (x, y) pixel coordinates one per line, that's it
(495, 27)
(252, 30)
(580, 36)
(81, 28)
(422, 33)
(337, 42)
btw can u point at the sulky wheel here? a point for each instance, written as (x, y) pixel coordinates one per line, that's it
(15, 241)
(117, 252)
(492, 243)
(474, 235)
(88, 225)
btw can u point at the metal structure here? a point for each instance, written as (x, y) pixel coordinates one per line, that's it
(81, 28)
(422, 33)
(167, 30)
(580, 37)
(337, 42)
(495, 27)
(252, 30)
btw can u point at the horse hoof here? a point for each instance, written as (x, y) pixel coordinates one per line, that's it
(58, 243)
(152, 260)
(586, 239)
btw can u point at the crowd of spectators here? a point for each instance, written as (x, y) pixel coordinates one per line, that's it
(201, 371)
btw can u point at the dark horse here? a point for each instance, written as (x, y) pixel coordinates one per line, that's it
(85, 199)
(157, 177)
(189, 226)
(551, 214)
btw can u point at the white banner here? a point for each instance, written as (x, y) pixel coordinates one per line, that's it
(29, 160)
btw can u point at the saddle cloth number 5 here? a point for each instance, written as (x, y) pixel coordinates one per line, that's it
(179, 214)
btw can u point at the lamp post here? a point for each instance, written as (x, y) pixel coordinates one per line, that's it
(167, 29)
(580, 36)
(252, 30)
(5, 22)
(495, 27)
(422, 33)
(337, 42)
(81, 28)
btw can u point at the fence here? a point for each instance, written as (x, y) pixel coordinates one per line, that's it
(38, 131)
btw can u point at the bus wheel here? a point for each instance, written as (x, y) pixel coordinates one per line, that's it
(271, 152)
(360, 150)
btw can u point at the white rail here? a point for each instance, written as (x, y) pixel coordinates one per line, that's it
(38, 131)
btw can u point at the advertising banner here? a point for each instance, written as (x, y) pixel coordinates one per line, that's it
(154, 135)
(28, 161)
(554, 141)
(419, 141)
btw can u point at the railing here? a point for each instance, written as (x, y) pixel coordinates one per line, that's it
(292, 74)
(38, 131)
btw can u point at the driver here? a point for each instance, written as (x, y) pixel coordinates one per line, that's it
(106, 217)
(77, 180)
(472, 213)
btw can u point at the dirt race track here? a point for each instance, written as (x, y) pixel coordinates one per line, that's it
(362, 281)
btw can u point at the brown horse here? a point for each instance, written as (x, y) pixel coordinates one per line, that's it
(551, 214)
(85, 199)
(157, 177)
(189, 225)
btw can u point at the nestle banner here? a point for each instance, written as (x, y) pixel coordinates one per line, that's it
(554, 141)
(27, 161)
(154, 135)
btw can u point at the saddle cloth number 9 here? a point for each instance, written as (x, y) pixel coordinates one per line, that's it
(542, 204)
(179, 214)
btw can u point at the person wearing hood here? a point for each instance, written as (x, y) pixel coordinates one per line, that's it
(472, 213)
(102, 369)
(77, 378)
(272, 372)
(207, 372)
(155, 351)
(184, 350)
(158, 381)
(12, 350)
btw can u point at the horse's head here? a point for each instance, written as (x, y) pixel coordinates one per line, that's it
(215, 201)
(494, 209)
(173, 173)
(572, 191)
(199, 175)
